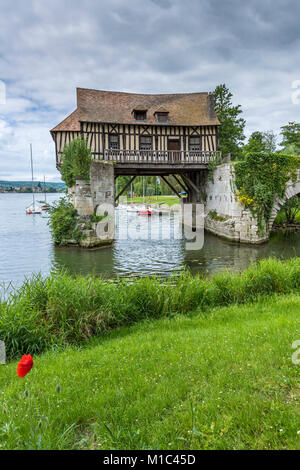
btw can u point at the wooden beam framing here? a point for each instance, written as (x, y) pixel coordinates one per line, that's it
(190, 183)
(169, 184)
(180, 183)
(125, 187)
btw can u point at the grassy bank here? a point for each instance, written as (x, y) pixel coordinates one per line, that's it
(220, 379)
(168, 200)
(60, 309)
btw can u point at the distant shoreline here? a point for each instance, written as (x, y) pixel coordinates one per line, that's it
(56, 191)
(26, 187)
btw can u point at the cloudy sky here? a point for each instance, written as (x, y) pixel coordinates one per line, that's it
(47, 49)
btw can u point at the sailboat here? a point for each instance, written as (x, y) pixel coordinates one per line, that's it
(45, 205)
(34, 208)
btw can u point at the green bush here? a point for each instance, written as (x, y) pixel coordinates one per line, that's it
(76, 162)
(61, 309)
(97, 218)
(63, 222)
(215, 216)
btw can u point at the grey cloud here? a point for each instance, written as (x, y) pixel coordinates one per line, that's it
(142, 46)
(163, 3)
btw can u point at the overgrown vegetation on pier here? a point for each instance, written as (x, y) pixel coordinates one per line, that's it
(63, 222)
(61, 309)
(260, 178)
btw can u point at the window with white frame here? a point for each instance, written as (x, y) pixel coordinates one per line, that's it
(195, 144)
(145, 142)
(113, 141)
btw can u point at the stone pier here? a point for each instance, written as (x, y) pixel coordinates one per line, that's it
(93, 199)
(224, 216)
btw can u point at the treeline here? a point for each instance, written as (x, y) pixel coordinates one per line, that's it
(231, 131)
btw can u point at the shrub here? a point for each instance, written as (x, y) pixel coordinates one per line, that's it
(215, 216)
(63, 222)
(76, 162)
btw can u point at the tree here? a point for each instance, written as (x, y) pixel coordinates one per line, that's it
(290, 149)
(270, 141)
(261, 142)
(291, 137)
(76, 162)
(231, 131)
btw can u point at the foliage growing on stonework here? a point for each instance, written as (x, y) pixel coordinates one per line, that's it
(260, 178)
(63, 222)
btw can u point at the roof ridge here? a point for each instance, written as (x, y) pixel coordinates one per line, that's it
(145, 94)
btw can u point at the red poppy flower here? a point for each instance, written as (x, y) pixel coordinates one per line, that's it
(25, 365)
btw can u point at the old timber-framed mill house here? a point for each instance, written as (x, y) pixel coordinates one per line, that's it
(162, 135)
(133, 127)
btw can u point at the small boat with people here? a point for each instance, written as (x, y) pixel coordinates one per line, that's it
(147, 210)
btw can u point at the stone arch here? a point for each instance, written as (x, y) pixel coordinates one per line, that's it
(292, 189)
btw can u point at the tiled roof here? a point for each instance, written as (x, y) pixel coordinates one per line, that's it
(71, 123)
(186, 109)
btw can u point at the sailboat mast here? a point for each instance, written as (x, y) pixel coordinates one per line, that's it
(45, 190)
(32, 175)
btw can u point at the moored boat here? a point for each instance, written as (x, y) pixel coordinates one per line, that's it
(145, 211)
(132, 209)
(34, 208)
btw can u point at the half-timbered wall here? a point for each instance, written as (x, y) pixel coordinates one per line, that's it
(97, 136)
(62, 139)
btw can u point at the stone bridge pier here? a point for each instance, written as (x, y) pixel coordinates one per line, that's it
(228, 218)
(96, 198)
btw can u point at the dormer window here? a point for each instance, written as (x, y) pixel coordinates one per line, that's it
(162, 115)
(140, 114)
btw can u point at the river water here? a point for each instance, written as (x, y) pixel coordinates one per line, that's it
(26, 247)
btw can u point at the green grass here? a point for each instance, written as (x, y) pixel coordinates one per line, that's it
(168, 200)
(60, 309)
(220, 379)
